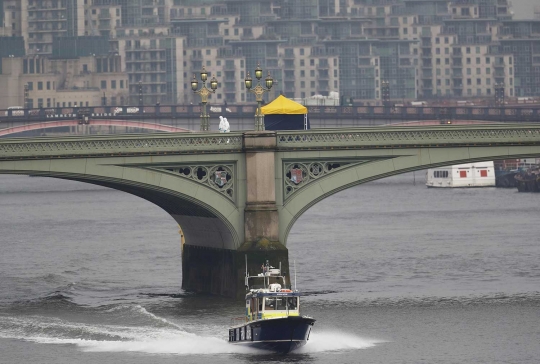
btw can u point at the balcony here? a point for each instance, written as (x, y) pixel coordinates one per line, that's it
(33, 19)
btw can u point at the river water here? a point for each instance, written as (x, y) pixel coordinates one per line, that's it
(394, 273)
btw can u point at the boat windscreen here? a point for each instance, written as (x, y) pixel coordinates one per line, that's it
(280, 303)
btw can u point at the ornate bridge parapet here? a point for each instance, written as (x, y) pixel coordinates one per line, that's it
(124, 145)
(391, 137)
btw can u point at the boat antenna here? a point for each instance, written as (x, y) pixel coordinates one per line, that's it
(246, 279)
(294, 264)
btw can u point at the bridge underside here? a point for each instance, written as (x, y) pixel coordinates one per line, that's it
(209, 256)
(370, 165)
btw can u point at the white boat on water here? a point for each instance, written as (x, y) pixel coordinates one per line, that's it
(478, 174)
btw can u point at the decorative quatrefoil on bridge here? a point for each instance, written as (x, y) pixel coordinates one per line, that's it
(218, 177)
(299, 174)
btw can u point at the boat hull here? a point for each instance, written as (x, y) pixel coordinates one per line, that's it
(280, 335)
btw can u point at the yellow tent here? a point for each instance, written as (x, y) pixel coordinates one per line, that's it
(285, 114)
(283, 105)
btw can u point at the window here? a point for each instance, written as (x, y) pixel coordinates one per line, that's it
(302, 63)
(312, 62)
(48, 85)
(40, 87)
(113, 85)
(235, 31)
(462, 174)
(121, 83)
(483, 173)
(208, 52)
(312, 74)
(468, 50)
(477, 60)
(301, 51)
(30, 86)
(478, 81)
(103, 84)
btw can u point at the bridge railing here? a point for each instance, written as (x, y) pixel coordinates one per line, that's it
(516, 114)
(319, 139)
(121, 145)
(389, 137)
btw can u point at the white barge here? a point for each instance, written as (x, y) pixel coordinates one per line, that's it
(478, 174)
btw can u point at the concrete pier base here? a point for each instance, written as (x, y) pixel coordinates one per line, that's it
(221, 271)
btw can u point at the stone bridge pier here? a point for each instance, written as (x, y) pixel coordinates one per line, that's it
(221, 271)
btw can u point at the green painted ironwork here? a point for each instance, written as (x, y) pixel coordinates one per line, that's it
(391, 137)
(120, 145)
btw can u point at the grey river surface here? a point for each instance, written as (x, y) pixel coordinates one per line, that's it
(394, 273)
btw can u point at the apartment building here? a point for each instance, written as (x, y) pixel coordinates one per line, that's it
(81, 81)
(44, 20)
(153, 64)
(429, 49)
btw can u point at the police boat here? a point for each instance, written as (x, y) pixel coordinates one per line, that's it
(272, 321)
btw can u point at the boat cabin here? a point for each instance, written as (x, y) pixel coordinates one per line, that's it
(262, 305)
(269, 296)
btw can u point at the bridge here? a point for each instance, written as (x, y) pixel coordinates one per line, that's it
(319, 115)
(240, 193)
(98, 122)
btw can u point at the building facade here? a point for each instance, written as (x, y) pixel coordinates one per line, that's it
(425, 49)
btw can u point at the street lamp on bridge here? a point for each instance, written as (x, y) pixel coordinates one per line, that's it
(499, 93)
(259, 92)
(385, 92)
(204, 92)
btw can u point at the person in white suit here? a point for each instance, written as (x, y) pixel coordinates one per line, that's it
(226, 126)
(221, 124)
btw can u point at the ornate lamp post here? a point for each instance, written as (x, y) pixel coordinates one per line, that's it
(259, 92)
(385, 92)
(204, 93)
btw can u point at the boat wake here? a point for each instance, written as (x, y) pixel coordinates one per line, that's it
(149, 334)
(335, 341)
(166, 338)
